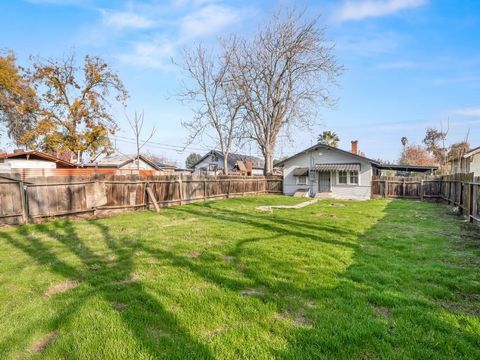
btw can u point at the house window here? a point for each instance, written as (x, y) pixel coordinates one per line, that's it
(212, 167)
(353, 177)
(348, 177)
(301, 180)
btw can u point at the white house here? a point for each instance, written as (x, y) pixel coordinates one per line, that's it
(468, 163)
(326, 169)
(212, 163)
(31, 159)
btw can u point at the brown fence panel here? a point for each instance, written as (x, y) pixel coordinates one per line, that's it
(47, 196)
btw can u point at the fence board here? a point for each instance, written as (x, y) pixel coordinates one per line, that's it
(462, 190)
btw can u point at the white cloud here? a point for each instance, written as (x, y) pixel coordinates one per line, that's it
(472, 111)
(358, 10)
(156, 51)
(150, 54)
(126, 19)
(207, 20)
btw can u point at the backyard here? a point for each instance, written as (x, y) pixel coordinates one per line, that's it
(220, 279)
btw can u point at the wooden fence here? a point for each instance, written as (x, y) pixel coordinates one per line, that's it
(21, 202)
(462, 190)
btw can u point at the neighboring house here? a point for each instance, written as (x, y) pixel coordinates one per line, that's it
(212, 163)
(125, 162)
(31, 159)
(325, 169)
(468, 163)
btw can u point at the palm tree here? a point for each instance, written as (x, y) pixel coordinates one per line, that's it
(404, 141)
(329, 138)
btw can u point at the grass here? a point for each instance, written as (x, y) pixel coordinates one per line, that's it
(376, 279)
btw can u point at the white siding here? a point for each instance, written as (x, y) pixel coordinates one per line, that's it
(325, 156)
(30, 164)
(475, 165)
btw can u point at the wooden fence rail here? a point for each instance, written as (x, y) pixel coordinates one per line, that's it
(462, 190)
(21, 202)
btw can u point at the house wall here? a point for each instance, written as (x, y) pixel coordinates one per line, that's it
(326, 156)
(208, 160)
(29, 164)
(475, 165)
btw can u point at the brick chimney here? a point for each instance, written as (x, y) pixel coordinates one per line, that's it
(355, 147)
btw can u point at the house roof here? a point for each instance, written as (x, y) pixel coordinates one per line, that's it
(323, 146)
(233, 158)
(38, 155)
(472, 152)
(300, 171)
(117, 161)
(165, 165)
(417, 168)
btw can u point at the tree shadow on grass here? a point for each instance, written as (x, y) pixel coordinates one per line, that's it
(111, 279)
(388, 303)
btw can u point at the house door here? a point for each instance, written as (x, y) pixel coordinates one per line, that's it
(324, 181)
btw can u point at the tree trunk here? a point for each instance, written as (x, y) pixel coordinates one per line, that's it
(268, 156)
(225, 164)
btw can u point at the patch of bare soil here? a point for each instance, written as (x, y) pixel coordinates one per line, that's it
(132, 279)
(42, 344)
(216, 331)
(229, 258)
(337, 205)
(61, 288)
(253, 292)
(194, 254)
(119, 306)
(332, 216)
(298, 320)
(383, 311)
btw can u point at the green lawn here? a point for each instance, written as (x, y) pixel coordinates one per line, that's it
(352, 280)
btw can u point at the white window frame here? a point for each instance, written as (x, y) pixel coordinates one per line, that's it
(302, 183)
(348, 179)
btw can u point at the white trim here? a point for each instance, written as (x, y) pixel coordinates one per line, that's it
(337, 177)
(306, 180)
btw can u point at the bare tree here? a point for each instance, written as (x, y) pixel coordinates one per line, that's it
(136, 124)
(217, 103)
(284, 73)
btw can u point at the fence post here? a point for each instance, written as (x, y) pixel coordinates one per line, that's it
(470, 202)
(204, 189)
(403, 189)
(385, 191)
(24, 202)
(475, 199)
(180, 184)
(228, 191)
(421, 190)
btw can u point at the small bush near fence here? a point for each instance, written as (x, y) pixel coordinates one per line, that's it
(462, 190)
(42, 197)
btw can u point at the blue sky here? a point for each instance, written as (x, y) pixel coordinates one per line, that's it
(409, 63)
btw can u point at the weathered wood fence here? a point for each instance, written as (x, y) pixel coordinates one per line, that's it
(462, 190)
(22, 202)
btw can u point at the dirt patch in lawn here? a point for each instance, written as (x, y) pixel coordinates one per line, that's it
(253, 292)
(194, 254)
(132, 279)
(42, 344)
(383, 311)
(61, 288)
(297, 320)
(229, 258)
(120, 307)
